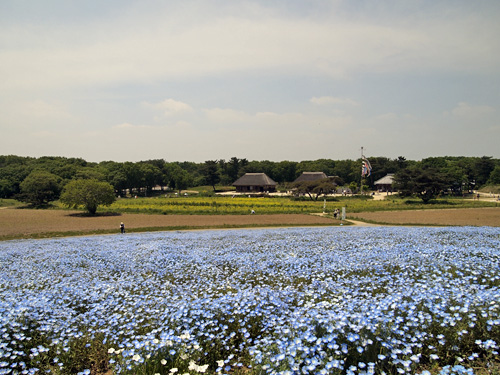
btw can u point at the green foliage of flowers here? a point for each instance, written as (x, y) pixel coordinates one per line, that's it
(238, 205)
(289, 301)
(215, 205)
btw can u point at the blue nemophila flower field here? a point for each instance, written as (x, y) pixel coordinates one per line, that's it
(289, 301)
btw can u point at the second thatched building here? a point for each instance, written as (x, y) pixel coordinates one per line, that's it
(311, 176)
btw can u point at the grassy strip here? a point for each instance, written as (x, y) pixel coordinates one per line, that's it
(4, 203)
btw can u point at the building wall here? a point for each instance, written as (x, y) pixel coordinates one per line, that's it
(255, 189)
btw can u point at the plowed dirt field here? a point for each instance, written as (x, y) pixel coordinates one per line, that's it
(17, 223)
(27, 223)
(489, 216)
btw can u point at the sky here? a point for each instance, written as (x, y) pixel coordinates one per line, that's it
(275, 80)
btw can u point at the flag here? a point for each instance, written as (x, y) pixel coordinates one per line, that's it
(366, 168)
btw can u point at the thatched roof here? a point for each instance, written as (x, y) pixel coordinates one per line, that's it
(254, 179)
(311, 176)
(386, 180)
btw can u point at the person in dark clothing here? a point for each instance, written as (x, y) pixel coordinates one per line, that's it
(122, 227)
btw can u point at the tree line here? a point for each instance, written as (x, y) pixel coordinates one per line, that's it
(139, 178)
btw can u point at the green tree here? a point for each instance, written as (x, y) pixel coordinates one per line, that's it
(135, 178)
(401, 162)
(211, 173)
(456, 176)
(178, 178)
(495, 176)
(482, 168)
(90, 173)
(39, 188)
(285, 171)
(348, 170)
(314, 189)
(88, 193)
(353, 185)
(426, 183)
(161, 177)
(12, 175)
(152, 175)
(115, 175)
(403, 182)
(234, 168)
(7, 188)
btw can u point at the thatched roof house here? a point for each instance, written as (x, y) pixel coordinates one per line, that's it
(255, 183)
(311, 176)
(385, 183)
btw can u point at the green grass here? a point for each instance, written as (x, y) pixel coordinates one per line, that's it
(10, 203)
(494, 189)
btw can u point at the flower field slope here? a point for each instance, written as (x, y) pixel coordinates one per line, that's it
(344, 300)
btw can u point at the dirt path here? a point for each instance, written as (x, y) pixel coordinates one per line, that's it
(362, 223)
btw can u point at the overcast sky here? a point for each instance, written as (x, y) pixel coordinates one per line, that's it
(273, 79)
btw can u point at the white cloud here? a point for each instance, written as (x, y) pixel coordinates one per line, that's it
(126, 126)
(226, 115)
(36, 110)
(330, 100)
(270, 122)
(197, 39)
(387, 117)
(467, 111)
(170, 107)
(42, 109)
(35, 114)
(43, 134)
(227, 75)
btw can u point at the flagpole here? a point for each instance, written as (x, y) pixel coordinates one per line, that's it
(361, 180)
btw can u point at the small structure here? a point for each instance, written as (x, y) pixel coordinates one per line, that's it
(385, 183)
(311, 176)
(255, 183)
(344, 191)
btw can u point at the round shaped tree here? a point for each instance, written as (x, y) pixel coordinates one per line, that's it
(88, 193)
(39, 188)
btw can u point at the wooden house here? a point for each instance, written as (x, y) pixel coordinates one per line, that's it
(385, 183)
(311, 176)
(255, 183)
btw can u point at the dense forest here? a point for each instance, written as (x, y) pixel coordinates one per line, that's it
(141, 177)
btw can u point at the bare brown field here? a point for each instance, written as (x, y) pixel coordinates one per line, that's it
(26, 223)
(488, 216)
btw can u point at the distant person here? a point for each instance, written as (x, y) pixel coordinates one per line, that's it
(122, 227)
